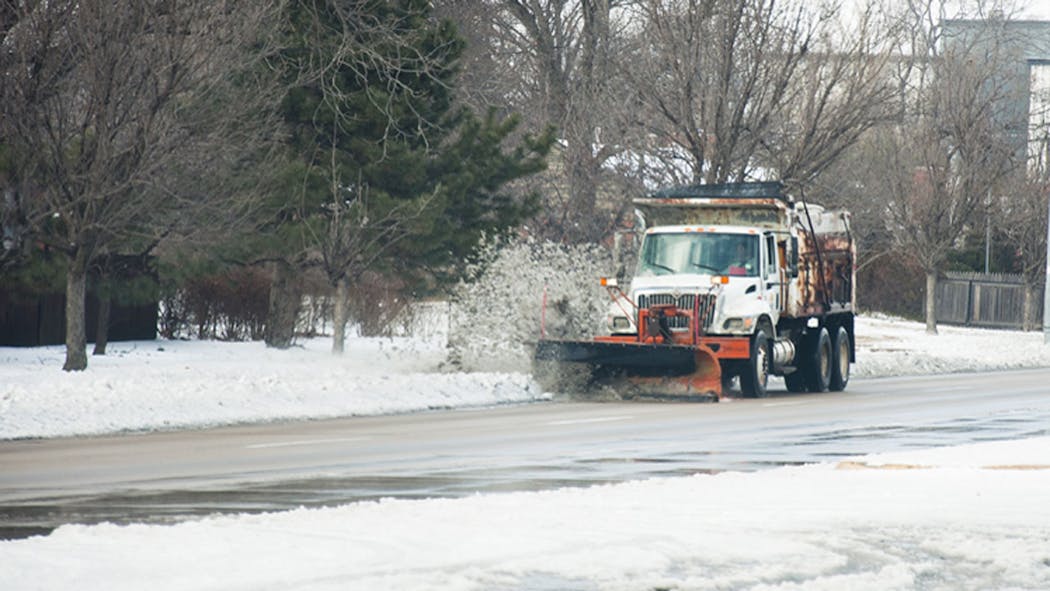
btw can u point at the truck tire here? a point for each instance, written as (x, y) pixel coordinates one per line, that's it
(840, 361)
(818, 362)
(754, 377)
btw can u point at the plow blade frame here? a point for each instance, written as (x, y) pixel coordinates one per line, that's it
(636, 369)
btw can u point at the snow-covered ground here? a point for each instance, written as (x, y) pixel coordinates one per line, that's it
(971, 517)
(150, 385)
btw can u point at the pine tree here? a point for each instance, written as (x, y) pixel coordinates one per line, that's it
(385, 171)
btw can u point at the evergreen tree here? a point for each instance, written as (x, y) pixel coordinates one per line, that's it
(385, 171)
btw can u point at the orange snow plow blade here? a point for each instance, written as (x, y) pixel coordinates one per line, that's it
(630, 369)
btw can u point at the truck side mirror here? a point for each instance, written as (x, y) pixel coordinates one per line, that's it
(792, 262)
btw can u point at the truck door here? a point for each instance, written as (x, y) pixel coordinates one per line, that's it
(771, 274)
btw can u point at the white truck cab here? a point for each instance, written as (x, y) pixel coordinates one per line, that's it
(736, 267)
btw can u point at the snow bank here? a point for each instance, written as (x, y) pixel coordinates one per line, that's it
(894, 347)
(179, 384)
(970, 519)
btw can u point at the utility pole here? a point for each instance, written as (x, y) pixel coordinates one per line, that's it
(988, 233)
(1046, 285)
(987, 244)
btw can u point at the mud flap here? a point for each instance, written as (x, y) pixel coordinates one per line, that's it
(634, 370)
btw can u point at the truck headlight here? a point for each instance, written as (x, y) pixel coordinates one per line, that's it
(621, 323)
(738, 324)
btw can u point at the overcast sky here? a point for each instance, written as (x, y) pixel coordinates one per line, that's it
(1032, 9)
(1038, 9)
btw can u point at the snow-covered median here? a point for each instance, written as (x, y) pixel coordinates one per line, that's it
(969, 518)
(149, 385)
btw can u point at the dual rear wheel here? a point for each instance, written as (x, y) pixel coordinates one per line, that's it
(840, 360)
(823, 362)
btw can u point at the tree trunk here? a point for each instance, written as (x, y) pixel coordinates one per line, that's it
(339, 317)
(285, 300)
(1029, 307)
(931, 302)
(105, 303)
(583, 190)
(76, 338)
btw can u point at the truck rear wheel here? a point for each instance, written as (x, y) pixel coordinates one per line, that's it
(818, 362)
(840, 361)
(755, 375)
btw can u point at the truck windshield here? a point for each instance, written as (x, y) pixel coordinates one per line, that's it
(699, 253)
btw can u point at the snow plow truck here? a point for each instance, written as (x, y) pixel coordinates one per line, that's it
(735, 280)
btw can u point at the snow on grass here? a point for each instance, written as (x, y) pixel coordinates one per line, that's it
(180, 384)
(149, 385)
(961, 522)
(893, 347)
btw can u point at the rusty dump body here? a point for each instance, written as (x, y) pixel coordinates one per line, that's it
(683, 340)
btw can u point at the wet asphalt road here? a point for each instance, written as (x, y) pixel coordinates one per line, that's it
(168, 477)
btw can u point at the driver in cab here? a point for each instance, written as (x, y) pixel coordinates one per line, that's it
(742, 262)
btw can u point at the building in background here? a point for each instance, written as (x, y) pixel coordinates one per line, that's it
(1026, 76)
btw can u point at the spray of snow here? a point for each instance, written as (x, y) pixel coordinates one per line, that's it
(498, 311)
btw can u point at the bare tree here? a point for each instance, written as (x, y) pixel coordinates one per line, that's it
(1025, 217)
(952, 149)
(747, 88)
(841, 89)
(109, 98)
(351, 233)
(489, 73)
(560, 63)
(717, 74)
(1025, 203)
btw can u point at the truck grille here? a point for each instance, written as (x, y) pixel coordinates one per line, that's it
(682, 302)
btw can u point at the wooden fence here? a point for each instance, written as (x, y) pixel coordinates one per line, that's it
(37, 320)
(994, 300)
